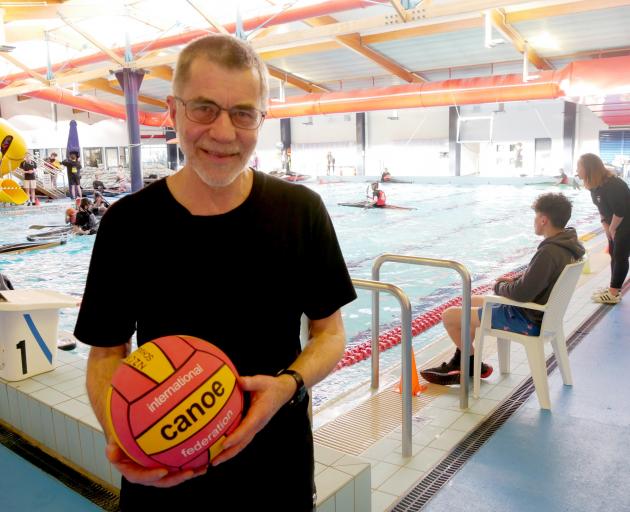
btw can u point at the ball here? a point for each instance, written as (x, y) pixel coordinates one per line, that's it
(173, 401)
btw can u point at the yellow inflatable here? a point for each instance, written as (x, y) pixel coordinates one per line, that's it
(12, 152)
(11, 192)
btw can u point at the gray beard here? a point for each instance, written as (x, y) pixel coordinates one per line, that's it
(217, 181)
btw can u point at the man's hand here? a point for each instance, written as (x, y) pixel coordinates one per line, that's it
(155, 477)
(268, 395)
(505, 280)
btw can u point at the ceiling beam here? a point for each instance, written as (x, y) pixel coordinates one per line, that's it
(354, 43)
(161, 72)
(103, 84)
(115, 57)
(295, 80)
(404, 15)
(517, 15)
(214, 23)
(497, 18)
(51, 11)
(24, 67)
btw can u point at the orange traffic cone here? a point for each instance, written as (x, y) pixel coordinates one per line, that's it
(416, 387)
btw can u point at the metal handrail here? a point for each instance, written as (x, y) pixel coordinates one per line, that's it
(405, 311)
(406, 323)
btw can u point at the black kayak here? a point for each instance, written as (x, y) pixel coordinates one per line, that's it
(372, 206)
(30, 246)
(53, 233)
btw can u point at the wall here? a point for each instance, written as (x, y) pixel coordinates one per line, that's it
(588, 127)
(414, 144)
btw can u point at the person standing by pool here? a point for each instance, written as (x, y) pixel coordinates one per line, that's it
(220, 93)
(330, 164)
(73, 168)
(30, 178)
(559, 248)
(611, 195)
(53, 167)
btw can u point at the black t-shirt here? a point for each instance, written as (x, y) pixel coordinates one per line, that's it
(72, 166)
(613, 198)
(85, 220)
(28, 168)
(240, 280)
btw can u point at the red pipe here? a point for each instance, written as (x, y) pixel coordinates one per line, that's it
(590, 77)
(491, 89)
(98, 106)
(573, 82)
(290, 15)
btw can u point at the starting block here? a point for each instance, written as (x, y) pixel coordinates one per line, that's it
(29, 320)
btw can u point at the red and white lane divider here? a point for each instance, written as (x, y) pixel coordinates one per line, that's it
(393, 337)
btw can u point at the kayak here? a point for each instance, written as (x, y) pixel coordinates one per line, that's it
(50, 234)
(370, 204)
(29, 246)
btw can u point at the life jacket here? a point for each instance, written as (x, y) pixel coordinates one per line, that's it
(380, 200)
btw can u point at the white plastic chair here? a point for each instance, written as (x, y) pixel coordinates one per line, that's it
(534, 345)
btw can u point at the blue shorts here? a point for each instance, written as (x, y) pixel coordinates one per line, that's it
(511, 318)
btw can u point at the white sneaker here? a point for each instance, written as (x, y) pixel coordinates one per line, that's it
(599, 291)
(607, 298)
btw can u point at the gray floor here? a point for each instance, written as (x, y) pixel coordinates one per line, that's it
(26, 488)
(573, 458)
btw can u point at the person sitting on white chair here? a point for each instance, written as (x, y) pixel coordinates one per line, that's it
(559, 248)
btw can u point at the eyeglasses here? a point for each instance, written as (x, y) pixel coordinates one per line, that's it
(206, 112)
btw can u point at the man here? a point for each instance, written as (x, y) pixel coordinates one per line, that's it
(29, 167)
(218, 229)
(559, 248)
(330, 161)
(73, 168)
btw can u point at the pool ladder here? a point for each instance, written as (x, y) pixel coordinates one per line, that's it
(376, 286)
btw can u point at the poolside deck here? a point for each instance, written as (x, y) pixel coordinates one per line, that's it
(358, 441)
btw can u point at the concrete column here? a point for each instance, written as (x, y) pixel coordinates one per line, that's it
(454, 148)
(130, 81)
(568, 136)
(360, 124)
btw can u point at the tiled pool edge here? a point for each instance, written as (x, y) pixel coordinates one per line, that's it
(62, 424)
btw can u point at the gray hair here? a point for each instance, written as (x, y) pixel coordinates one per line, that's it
(226, 51)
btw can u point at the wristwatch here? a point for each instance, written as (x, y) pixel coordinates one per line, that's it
(300, 390)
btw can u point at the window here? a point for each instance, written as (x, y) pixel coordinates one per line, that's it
(154, 156)
(93, 157)
(614, 146)
(474, 129)
(111, 158)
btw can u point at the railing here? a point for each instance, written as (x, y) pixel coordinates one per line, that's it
(405, 311)
(406, 324)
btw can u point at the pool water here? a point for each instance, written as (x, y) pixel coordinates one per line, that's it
(488, 228)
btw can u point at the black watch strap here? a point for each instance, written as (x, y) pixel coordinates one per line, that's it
(300, 390)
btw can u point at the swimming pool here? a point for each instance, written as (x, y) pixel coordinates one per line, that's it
(488, 228)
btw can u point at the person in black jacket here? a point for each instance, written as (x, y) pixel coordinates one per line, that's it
(73, 167)
(559, 248)
(611, 195)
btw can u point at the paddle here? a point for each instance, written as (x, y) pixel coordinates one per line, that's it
(42, 226)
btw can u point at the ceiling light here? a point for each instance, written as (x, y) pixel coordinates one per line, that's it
(544, 41)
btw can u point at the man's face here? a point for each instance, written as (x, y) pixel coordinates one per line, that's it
(217, 152)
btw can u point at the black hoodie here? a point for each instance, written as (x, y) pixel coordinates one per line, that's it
(535, 284)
